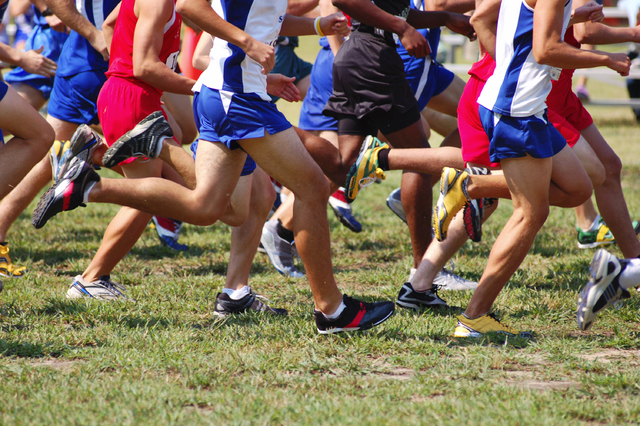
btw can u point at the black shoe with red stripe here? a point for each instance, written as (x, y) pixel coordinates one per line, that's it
(67, 193)
(357, 315)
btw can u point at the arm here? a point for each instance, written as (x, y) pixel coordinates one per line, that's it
(332, 24)
(301, 7)
(457, 6)
(201, 13)
(454, 21)
(54, 22)
(485, 22)
(109, 25)
(368, 13)
(327, 8)
(550, 49)
(201, 58)
(67, 12)
(597, 33)
(147, 43)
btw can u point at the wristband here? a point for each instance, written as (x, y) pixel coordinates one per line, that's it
(46, 12)
(316, 25)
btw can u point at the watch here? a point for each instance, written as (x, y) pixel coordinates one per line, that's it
(46, 12)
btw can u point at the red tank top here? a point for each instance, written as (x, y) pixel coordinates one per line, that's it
(121, 60)
(483, 69)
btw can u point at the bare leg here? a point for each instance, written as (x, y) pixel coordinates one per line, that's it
(33, 137)
(610, 197)
(246, 237)
(180, 108)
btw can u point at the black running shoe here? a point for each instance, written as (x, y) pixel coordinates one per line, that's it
(67, 194)
(412, 299)
(357, 315)
(226, 306)
(141, 141)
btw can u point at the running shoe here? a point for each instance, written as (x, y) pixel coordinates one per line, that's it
(447, 280)
(82, 144)
(582, 93)
(102, 289)
(603, 288)
(168, 231)
(453, 197)
(140, 142)
(57, 151)
(365, 170)
(485, 324)
(600, 236)
(67, 194)
(474, 210)
(7, 268)
(357, 315)
(280, 251)
(226, 306)
(412, 299)
(1, 286)
(394, 202)
(344, 213)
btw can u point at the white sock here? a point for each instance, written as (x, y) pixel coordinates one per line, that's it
(594, 225)
(630, 276)
(85, 196)
(239, 293)
(159, 147)
(337, 313)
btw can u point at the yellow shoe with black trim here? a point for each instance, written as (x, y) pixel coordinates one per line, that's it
(453, 197)
(365, 170)
(8, 269)
(487, 323)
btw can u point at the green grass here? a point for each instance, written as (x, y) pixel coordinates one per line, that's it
(165, 360)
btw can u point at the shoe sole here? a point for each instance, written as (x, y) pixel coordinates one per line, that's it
(352, 191)
(366, 327)
(596, 287)
(419, 307)
(596, 244)
(38, 218)
(270, 236)
(441, 225)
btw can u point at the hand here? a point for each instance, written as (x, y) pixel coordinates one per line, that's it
(335, 24)
(56, 24)
(34, 63)
(459, 23)
(590, 12)
(283, 87)
(620, 63)
(99, 43)
(263, 54)
(414, 42)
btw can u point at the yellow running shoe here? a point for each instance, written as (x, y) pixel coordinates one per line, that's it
(453, 197)
(8, 269)
(365, 170)
(485, 324)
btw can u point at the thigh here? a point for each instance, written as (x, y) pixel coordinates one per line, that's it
(526, 193)
(64, 129)
(568, 173)
(412, 136)
(19, 118)
(217, 171)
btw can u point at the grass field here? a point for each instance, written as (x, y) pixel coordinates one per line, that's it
(166, 360)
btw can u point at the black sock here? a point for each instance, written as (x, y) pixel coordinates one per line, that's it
(383, 159)
(4, 243)
(284, 233)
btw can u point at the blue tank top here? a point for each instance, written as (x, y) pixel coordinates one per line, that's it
(77, 54)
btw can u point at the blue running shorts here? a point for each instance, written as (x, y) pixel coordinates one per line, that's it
(52, 42)
(228, 117)
(74, 98)
(247, 169)
(427, 79)
(515, 137)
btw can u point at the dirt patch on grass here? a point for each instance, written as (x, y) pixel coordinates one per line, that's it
(56, 364)
(525, 380)
(612, 355)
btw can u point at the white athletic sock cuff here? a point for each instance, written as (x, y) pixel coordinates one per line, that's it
(630, 276)
(159, 147)
(337, 313)
(240, 293)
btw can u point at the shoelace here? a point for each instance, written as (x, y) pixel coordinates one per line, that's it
(114, 286)
(509, 329)
(378, 173)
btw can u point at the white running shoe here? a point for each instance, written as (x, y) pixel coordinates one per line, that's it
(447, 280)
(394, 202)
(102, 289)
(280, 251)
(603, 288)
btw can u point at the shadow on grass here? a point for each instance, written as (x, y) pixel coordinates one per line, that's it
(22, 349)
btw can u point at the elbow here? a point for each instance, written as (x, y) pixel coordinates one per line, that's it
(181, 7)
(140, 71)
(541, 56)
(340, 4)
